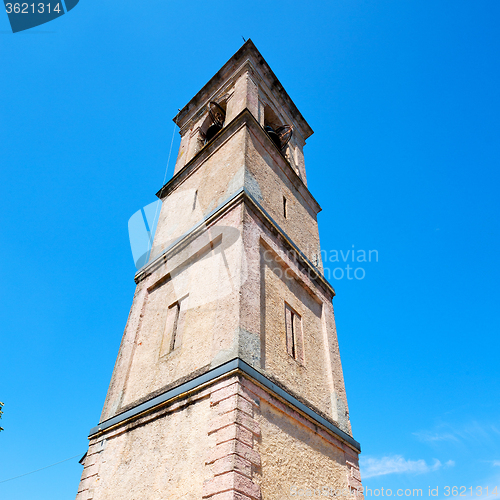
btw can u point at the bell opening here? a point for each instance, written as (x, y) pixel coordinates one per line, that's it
(212, 131)
(273, 135)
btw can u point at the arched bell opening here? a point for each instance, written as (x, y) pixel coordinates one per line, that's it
(212, 131)
(279, 134)
(215, 119)
(273, 135)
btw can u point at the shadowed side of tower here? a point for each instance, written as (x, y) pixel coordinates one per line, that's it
(228, 383)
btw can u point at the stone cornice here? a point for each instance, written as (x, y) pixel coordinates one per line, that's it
(245, 118)
(240, 196)
(312, 271)
(189, 388)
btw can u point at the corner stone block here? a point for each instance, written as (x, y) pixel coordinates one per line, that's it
(231, 390)
(235, 402)
(234, 417)
(232, 463)
(236, 448)
(231, 481)
(234, 432)
(230, 495)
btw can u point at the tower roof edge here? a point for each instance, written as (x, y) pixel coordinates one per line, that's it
(248, 51)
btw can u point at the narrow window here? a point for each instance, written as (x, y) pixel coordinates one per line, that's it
(284, 207)
(195, 199)
(171, 338)
(294, 340)
(174, 337)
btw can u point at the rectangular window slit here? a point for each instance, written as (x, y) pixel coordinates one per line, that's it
(284, 207)
(294, 335)
(174, 310)
(293, 340)
(195, 199)
(171, 335)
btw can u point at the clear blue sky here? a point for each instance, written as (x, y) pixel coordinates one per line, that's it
(404, 100)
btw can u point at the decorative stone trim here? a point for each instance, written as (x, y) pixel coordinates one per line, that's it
(235, 388)
(90, 474)
(233, 463)
(235, 417)
(230, 495)
(231, 482)
(236, 432)
(236, 447)
(235, 402)
(354, 476)
(233, 460)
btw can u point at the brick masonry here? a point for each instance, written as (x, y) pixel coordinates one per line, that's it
(233, 460)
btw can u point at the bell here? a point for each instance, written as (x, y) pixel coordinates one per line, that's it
(217, 114)
(273, 135)
(285, 134)
(212, 131)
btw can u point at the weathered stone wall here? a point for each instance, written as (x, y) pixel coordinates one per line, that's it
(309, 377)
(296, 460)
(275, 179)
(212, 182)
(275, 278)
(152, 459)
(231, 440)
(205, 276)
(233, 281)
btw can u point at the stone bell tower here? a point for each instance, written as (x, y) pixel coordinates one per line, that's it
(228, 383)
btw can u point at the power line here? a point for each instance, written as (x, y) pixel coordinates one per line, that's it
(37, 470)
(153, 227)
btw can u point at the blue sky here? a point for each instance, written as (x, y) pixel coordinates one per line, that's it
(403, 97)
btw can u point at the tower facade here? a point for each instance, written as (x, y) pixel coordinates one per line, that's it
(228, 384)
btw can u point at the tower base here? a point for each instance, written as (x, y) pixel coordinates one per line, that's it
(229, 434)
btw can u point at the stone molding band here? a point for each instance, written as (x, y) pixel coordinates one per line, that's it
(236, 197)
(235, 365)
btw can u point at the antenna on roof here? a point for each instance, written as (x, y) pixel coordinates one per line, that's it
(243, 38)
